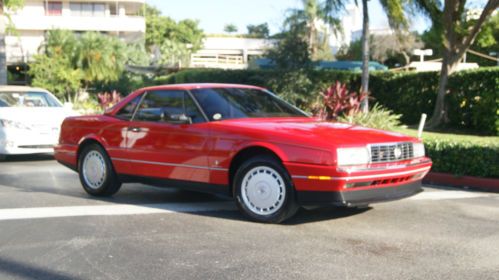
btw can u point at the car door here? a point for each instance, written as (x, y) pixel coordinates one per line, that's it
(168, 138)
(114, 134)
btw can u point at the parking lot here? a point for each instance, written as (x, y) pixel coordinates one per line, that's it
(51, 229)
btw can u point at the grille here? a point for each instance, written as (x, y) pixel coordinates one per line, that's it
(391, 152)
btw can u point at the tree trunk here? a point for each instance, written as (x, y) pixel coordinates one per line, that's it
(449, 65)
(455, 47)
(365, 56)
(3, 54)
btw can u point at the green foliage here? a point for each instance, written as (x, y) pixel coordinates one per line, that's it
(461, 154)
(56, 74)
(314, 23)
(486, 41)
(230, 28)
(175, 40)
(295, 87)
(100, 57)
(292, 52)
(377, 117)
(473, 98)
(258, 31)
(70, 63)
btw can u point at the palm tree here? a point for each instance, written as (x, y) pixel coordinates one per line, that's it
(316, 22)
(9, 4)
(396, 18)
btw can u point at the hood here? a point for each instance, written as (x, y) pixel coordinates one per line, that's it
(36, 115)
(312, 132)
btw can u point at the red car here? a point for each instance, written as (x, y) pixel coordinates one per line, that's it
(241, 141)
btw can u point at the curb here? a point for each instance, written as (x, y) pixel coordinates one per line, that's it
(486, 184)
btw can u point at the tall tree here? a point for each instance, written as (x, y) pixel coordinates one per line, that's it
(459, 33)
(316, 22)
(10, 5)
(174, 41)
(259, 31)
(230, 28)
(395, 11)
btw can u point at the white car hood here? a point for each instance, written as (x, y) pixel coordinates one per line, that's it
(46, 116)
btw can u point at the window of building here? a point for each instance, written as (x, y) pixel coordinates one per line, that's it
(87, 9)
(54, 8)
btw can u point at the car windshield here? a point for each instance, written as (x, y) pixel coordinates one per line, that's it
(233, 103)
(27, 99)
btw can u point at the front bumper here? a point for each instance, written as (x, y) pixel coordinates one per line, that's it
(359, 197)
(357, 185)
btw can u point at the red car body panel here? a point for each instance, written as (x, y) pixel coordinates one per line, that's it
(203, 152)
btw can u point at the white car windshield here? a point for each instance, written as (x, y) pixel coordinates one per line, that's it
(27, 99)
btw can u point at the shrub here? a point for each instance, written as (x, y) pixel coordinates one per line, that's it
(463, 157)
(461, 154)
(338, 101)
(377, 117)
(472, 101)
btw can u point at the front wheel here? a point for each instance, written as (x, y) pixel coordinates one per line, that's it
(96, 172)
(264, 191)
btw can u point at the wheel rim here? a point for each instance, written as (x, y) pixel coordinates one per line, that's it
(263, 190)
(94, 169)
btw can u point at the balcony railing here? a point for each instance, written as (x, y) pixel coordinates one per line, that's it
(218, 61)
(81, 23)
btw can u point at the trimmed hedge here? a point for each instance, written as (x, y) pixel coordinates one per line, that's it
(463, 157)
(461, 154)
(472, 103)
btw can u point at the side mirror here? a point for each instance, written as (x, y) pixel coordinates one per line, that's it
(179, 119)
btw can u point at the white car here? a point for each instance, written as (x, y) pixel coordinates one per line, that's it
(30, 120)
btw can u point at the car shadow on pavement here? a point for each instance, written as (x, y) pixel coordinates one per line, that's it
(20, 158)
(27, 271)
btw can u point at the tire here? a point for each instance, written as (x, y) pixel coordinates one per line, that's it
(3, 157)
(263, 190)
(96, 172)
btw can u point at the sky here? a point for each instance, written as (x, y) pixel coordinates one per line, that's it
(215, 14)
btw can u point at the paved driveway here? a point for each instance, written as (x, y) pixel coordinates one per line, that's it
(50, 229)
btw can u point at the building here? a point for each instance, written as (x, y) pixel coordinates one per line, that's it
(121, 18)
(229, 52)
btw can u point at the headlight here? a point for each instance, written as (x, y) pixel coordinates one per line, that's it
(13, 124)
(418, 149)
(351, 156)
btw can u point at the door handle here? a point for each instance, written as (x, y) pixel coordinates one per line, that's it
(134, 129)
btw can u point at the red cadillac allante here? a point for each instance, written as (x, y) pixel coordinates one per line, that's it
(241, 141)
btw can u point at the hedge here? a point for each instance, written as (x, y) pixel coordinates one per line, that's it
(461, 154)
(463, 158)
(472, 103)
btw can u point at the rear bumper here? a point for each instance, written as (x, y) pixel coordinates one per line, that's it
(358, 197)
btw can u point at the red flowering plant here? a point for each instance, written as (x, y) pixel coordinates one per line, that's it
(107, 100)
(338, 101)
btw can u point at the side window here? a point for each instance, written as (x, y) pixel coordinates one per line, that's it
(126, 113)
(165, 105)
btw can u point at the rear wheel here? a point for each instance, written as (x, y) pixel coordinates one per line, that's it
(96, 172)
(264, 191)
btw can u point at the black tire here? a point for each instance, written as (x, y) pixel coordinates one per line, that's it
(281, 194)
(108, 184)
(3, 157)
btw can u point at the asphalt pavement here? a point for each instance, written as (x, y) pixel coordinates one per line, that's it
(51, 229)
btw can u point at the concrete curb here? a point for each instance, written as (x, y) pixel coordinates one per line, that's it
(486, 184)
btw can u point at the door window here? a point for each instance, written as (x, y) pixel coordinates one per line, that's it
(167, 106)
(126, 113)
